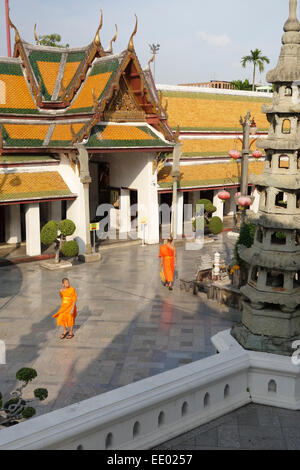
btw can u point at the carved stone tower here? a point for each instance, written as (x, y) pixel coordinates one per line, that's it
(271, 306)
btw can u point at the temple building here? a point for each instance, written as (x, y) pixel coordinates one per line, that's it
(78, 127)
(209, 121)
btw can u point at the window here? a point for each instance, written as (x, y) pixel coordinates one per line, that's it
(281, 200)
(284, 162)
(286, 126)
(275, 279)
(278, 238)
(288, 91)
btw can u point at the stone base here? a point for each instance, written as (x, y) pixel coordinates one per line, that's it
(233, 236)
(89, 258)
(268, 344)
(52, 266)
(271, 322)
(273, 379)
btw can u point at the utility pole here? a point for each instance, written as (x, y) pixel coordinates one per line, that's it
(7, 28)
(175, 175)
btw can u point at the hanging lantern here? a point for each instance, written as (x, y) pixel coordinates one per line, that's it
(257, 154)
(244, 201)
(235, 154)
(224, 195)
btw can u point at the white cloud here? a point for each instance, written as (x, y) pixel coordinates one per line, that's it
(221, 40)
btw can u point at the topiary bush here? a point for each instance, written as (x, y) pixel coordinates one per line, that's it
(26, 374)
(57, 232)
(209, 208)
(28, 412)
(70, 249)
(16, 409)
(216, 225)
(246, 238)
(49, 233)
(67, 228)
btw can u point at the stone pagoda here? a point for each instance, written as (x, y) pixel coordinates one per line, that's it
(271, 305)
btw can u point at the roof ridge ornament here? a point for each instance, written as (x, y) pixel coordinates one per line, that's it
(130, 44)
(151, 60)
(97, 36)
(292, 26)
(110, 49)
(36, 36)
(17, 35)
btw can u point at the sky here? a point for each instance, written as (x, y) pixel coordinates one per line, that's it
(200, 40)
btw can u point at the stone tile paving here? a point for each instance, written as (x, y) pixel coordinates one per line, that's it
(253, 427)
(129, 326)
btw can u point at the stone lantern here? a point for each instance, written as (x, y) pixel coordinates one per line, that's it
(271, 305)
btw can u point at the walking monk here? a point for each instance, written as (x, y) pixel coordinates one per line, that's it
(167, 254)
(68, 311)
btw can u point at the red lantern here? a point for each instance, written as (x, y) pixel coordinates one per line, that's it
(257, 154)
(244, 201)
(235, 154)
(224, 195)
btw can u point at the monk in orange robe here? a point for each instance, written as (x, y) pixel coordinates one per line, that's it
(167, 254)
(67, 313)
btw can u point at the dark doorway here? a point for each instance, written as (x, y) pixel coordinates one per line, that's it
(207, 195)
(133, 201)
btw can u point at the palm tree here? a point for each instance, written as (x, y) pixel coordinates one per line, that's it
(256, 59)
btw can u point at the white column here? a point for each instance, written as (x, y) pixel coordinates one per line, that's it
(78, 212)
(13, 224)
(219, 205)
(55, 209)
(255, 205)
(148, 201)
(179, 224)
(125, 219)
(33, 236)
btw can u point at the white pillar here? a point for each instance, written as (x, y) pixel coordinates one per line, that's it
(125, 219)
(219, 205)
(55, 209)
(179, 224)
(33, 236)
(255, 205)
(148, 202)
(13, 224)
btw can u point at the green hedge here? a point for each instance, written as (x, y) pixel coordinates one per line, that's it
(66, 227)
(70, 249)
(216, 225)
(49, 233)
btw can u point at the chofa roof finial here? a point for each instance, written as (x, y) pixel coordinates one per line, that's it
(130, 44)
(150, 61)
(110, 49)
(97, 36)
(37, 41)
(17, 35)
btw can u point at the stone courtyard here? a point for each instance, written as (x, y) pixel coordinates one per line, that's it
(129, 326)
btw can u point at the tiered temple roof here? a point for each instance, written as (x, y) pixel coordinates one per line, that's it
(52, 97)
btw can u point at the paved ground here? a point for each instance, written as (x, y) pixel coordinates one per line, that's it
(129, 326)
(253, 427)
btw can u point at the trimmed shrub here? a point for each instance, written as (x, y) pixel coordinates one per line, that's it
(41, 393)
(26, 374)
(70, 249)
(49, 233)
(67, 227)
(216, 225)
(28, 412)
(246, 238)
(208, 206)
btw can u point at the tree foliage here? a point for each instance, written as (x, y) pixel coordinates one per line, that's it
(242, 85)
(258, 60)
(52, 40)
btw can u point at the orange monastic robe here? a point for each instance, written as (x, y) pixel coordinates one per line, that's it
(64, 316)
(167, 253)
